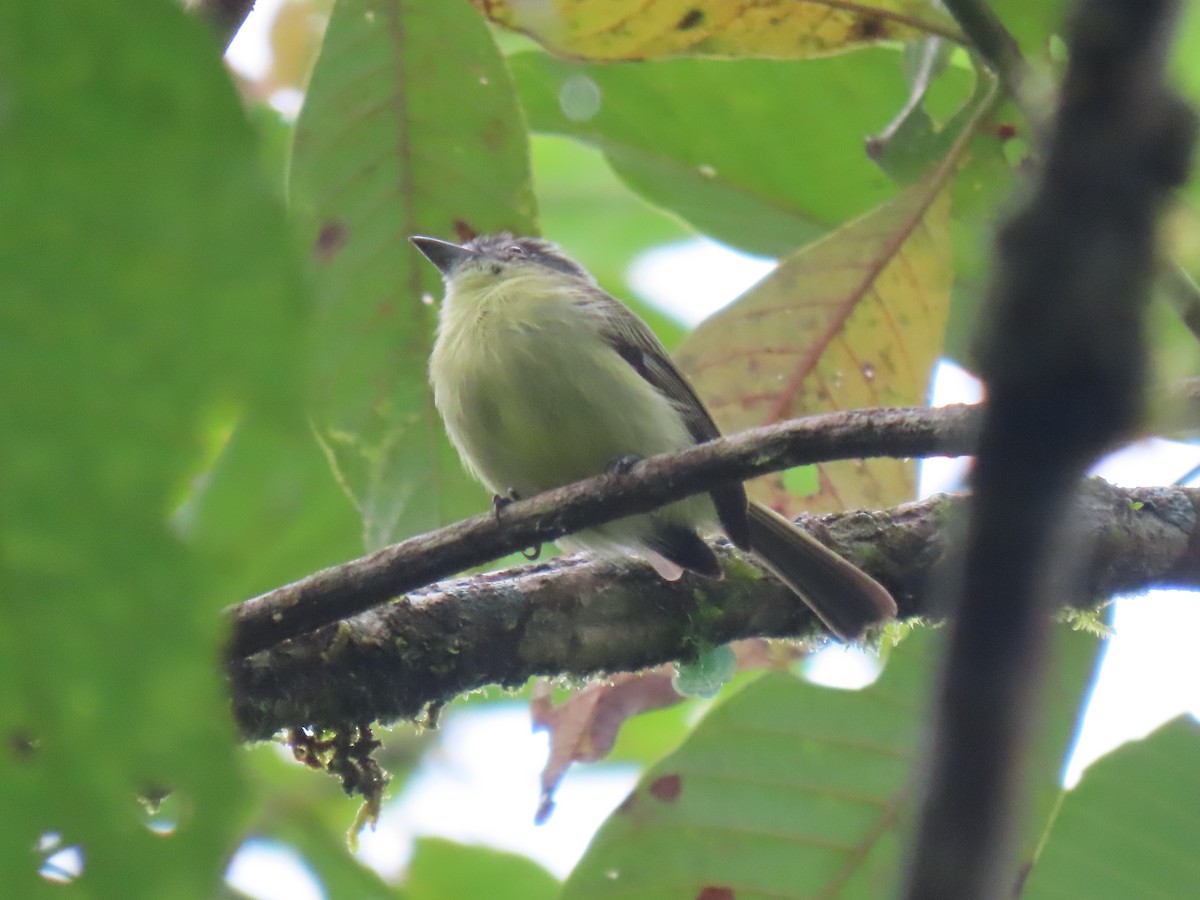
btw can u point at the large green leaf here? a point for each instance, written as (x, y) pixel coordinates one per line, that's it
(982, 193)
(149, 299)
(765, 156)
(444, 870)
(311, 814)
(1185, 69)
(268, 511)
(1032, 22)
(1131, 827)
(340, 874)
(410, 126)
(575, 190)
(792, 790)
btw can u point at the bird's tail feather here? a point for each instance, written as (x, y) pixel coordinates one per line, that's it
(844, 597)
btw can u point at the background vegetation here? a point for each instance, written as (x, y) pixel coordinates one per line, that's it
(213, 337)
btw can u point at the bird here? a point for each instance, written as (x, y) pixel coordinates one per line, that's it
(542, 379)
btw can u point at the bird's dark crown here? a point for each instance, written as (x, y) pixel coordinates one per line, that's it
(507, 247)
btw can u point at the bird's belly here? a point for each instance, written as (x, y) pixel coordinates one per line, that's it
(543, 409)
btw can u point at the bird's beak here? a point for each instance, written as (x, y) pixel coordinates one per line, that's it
(442, 254)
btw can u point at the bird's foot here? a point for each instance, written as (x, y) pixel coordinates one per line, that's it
(623, 465)
(499, 502)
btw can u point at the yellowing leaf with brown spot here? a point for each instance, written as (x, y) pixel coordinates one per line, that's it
(853, 320)
(774, 29)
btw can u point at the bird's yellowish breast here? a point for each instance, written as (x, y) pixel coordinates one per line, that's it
(532, 395)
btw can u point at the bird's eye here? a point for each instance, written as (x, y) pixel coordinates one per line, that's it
(516, 250)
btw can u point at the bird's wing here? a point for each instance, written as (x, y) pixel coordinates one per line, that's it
(637, 345)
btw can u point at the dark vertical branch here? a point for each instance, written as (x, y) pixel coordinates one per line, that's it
(1064, 362)
(224, 16)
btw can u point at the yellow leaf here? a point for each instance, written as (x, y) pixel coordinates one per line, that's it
(853, 320)
(775, 29)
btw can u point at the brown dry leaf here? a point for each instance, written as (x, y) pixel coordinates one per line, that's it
(585, 726)
(775, 29)
(853, 320)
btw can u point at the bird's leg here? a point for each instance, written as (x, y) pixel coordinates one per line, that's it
(499, 502)
(623, 465)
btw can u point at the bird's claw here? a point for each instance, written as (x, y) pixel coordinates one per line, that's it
(499, 502)
(623, 465)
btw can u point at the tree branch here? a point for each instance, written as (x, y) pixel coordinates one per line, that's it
(575, 617)
(1064, 365)
(991, 41)
(352, 587)
(1001, 53)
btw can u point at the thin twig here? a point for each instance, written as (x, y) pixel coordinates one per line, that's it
(991, 40)
(1000, 52)
(352, 587)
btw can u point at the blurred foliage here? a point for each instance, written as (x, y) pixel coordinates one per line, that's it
(206, 395)
(655, 121)
(150, 308)
(1129, 827)
(442, 869)
(787, 789)
(402, 133)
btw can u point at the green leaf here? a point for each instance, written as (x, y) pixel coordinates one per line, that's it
(906, 148)
(787, 789)
(649, 736)
(442, 870)
(149, 299)
(340, 873)
(410, 126)
(1068, 684)
(1185, 69)
(764, 156)
(801, 481)
(704, 677)
(268, 510)
(575, 190)
(775, 791)
(982, 194)
(1131, 826)
(1032, 22)
(1185, 64)
(311, 814)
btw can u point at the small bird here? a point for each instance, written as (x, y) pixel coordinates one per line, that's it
(543, 379)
